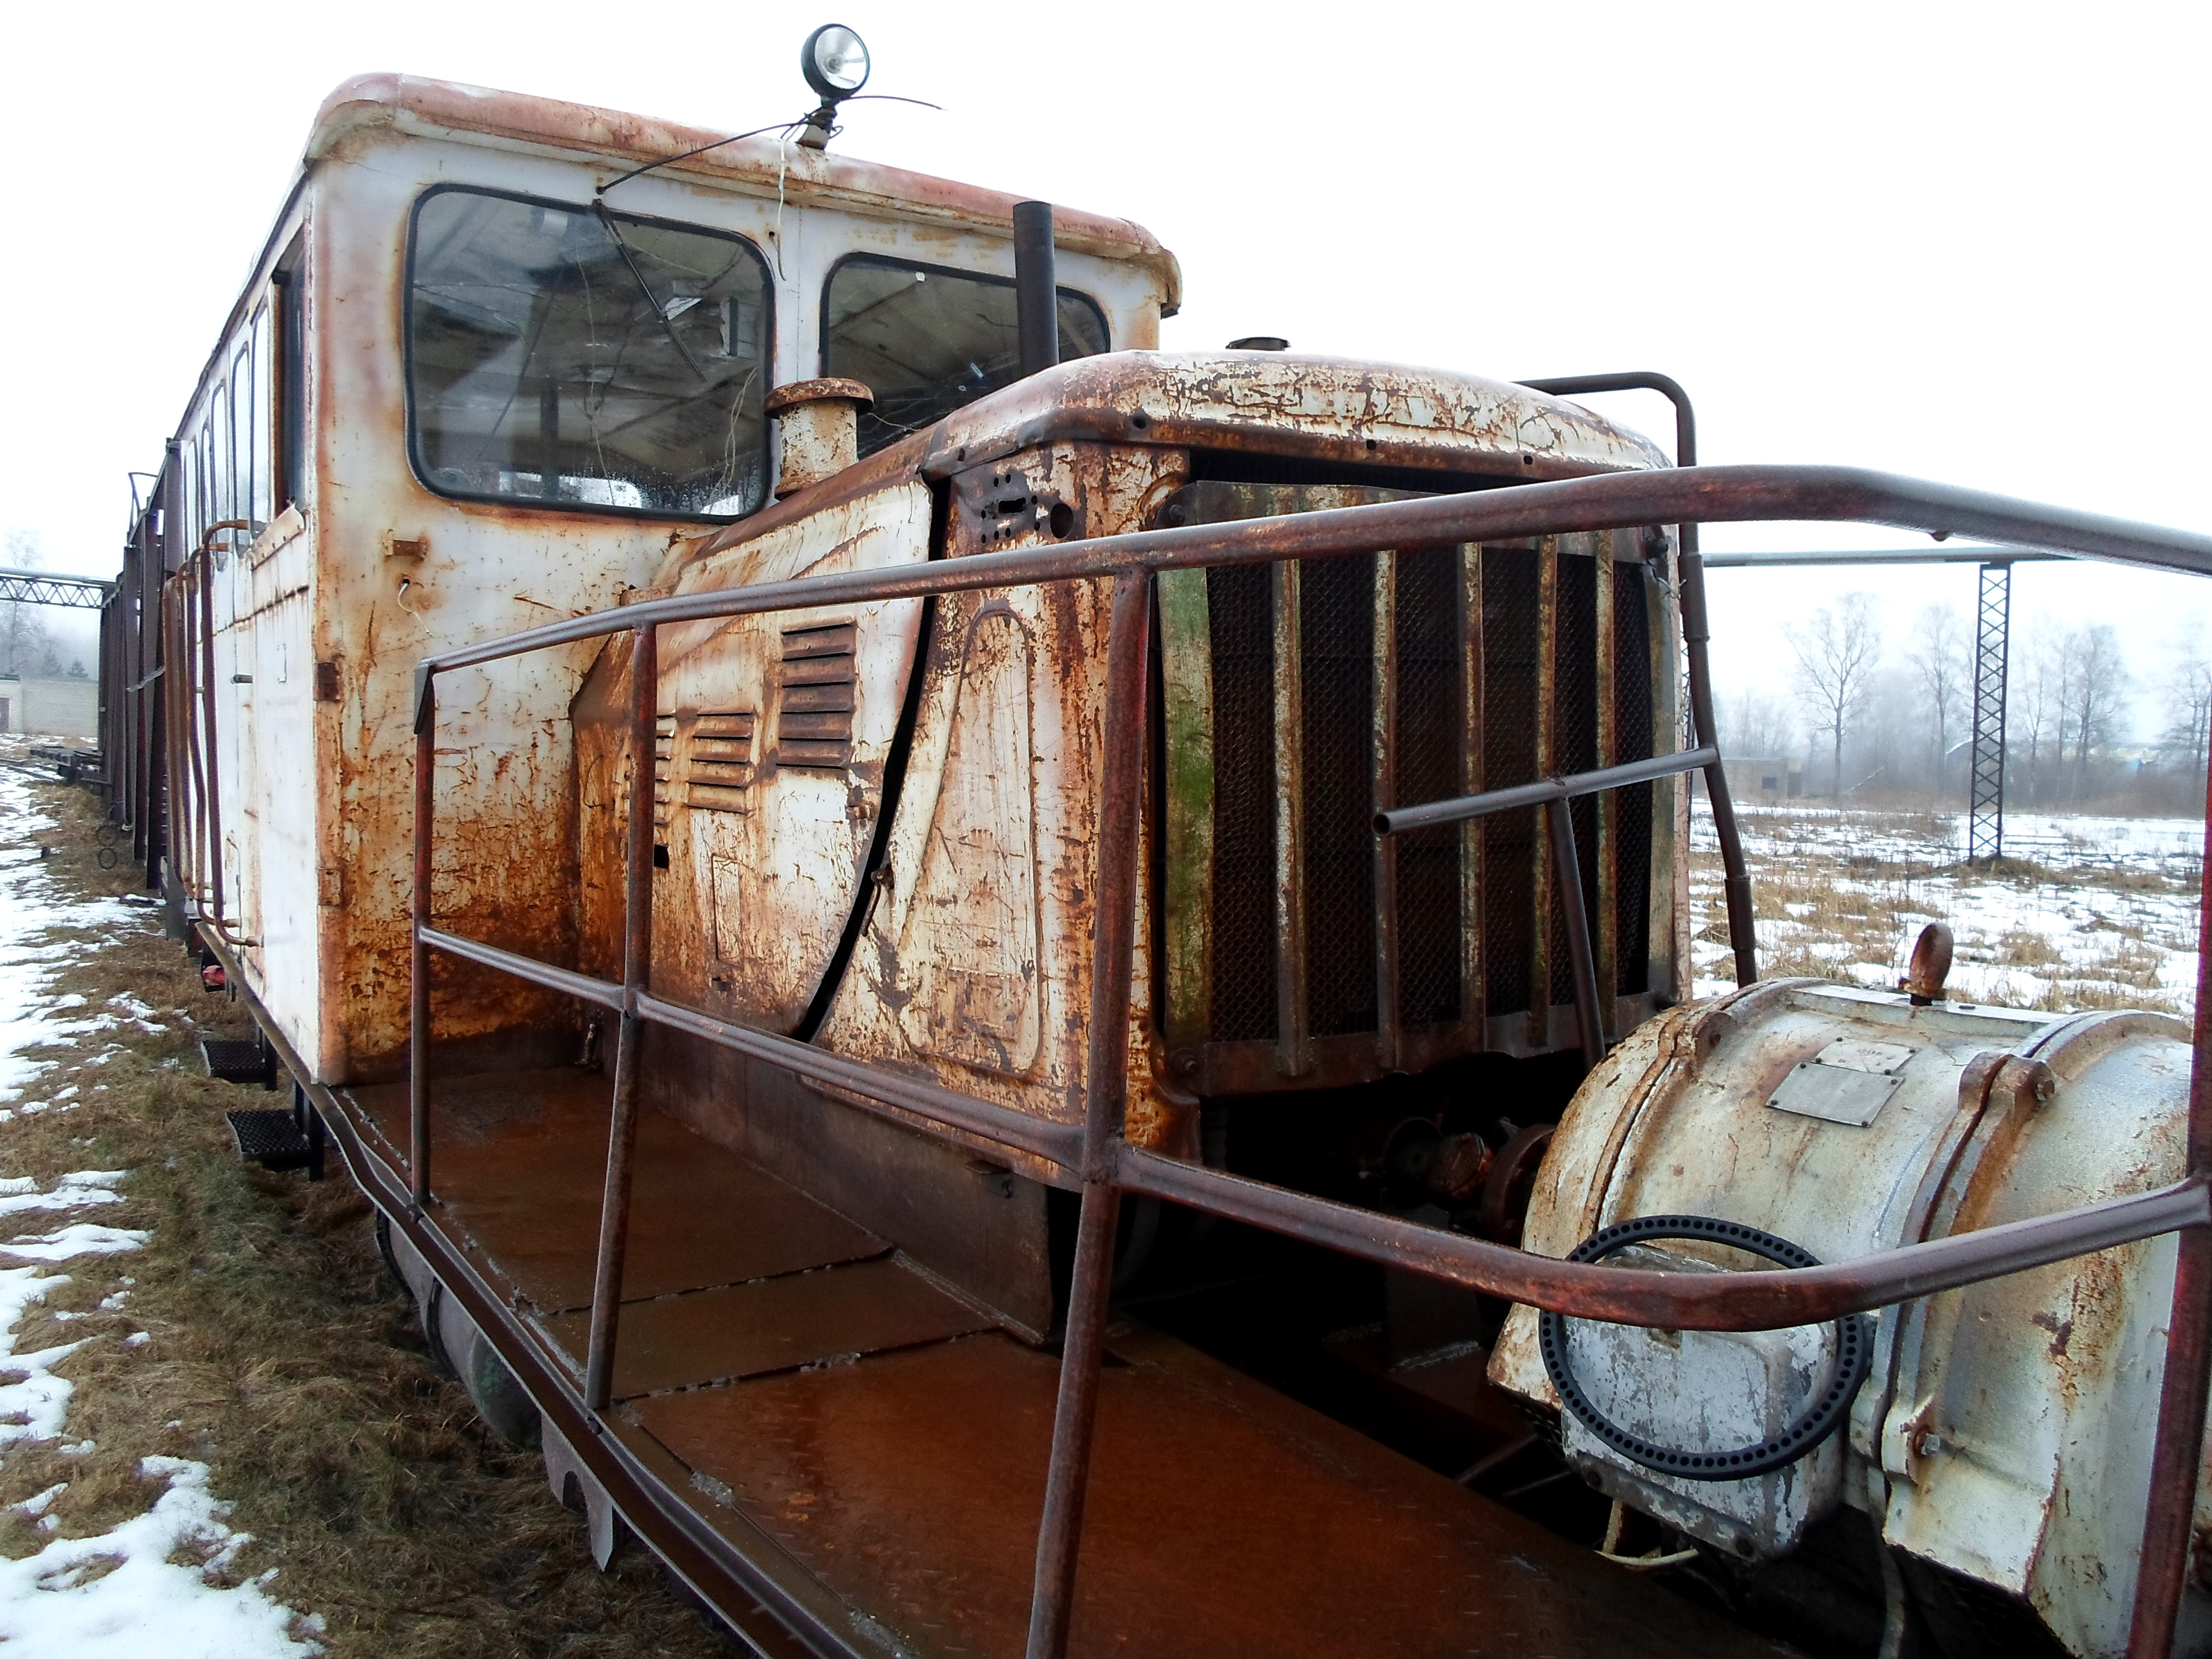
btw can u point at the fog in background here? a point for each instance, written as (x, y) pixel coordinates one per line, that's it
(1959, 241)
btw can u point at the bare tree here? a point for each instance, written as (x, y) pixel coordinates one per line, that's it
(2095, 691)
(1939, 656)
(1837, 652)
(1757, 724)
(2036, 703)
(2189, 693)
(27, 642)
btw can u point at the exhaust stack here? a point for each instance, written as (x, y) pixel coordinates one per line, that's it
(817, 430)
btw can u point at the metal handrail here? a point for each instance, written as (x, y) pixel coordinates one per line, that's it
(1619, 500)
(1107, 1167)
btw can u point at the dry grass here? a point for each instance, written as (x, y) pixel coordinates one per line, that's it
(283, 1355)
(1846, 901)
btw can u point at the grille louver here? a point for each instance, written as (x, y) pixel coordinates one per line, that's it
(1299, 953)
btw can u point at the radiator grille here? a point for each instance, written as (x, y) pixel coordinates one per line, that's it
(1417, 676)
(1634, 719)
(1511, 841)
(1240, 621)
(1431, 703)
(1336, 634)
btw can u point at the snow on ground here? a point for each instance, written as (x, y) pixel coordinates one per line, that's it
(2087, 911)
(151, 1584)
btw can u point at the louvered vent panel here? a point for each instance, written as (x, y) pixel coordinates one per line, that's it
(663, 763)
(814, 722)
(720, 768)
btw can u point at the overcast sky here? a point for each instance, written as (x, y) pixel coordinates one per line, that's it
(1959, 241)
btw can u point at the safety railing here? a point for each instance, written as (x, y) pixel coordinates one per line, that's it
(1094, 1153)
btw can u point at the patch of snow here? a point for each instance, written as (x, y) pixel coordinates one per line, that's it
(105, 1597)
(78, 1238)
(149, 1584)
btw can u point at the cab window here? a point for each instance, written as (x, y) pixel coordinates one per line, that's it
(926, 339)
(582, 358)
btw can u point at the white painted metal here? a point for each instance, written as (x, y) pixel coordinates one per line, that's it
(2006, 1429)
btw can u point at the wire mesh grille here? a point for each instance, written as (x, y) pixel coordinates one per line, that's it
(1431, 651)
(1636, 735)
(1574, 742)
(1240, 608)
(1510, 648)
(1336, 627)
(1337, 758)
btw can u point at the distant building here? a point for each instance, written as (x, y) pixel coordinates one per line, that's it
(1760, 780)
(43, 708)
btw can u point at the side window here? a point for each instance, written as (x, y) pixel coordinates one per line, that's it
(289, 471)
(220, 454)
(584, 359)
(926, 340)
(188, 483)
(258, 424)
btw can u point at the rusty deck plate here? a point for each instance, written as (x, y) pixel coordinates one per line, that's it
(1224, 1520)
(520, 1159)
(772, 1325)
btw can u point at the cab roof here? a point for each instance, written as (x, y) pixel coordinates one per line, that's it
(414, 105)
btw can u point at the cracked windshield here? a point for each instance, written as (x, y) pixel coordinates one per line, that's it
(586, 358)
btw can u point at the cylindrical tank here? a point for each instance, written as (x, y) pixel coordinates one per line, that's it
(2003, 1430)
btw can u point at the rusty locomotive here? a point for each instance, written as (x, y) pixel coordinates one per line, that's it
(982, 972)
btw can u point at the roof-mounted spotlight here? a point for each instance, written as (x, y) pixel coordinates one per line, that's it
(835, 62)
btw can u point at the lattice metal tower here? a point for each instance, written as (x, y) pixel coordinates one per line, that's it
(1992, 626)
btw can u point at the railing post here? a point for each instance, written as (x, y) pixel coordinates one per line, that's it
(1736, 875)
(2168, 1521)
(1105, 1084)
(419, 1017)
(1690, 569)
(214, 749)
(637, 958)
(1574, 921)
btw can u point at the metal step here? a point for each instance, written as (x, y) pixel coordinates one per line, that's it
(233, 1060)
(273, 1138)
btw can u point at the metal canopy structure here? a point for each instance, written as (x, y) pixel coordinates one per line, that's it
(44, 588)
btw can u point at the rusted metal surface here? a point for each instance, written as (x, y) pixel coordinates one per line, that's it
(637, 972)
(1543, 866)
(1104, 1084)
(376, 572)
(1735, 877)
(1473, 977)
(1382, 702)
(1574, 921)
(1323, 409)
(816, 431)
(2009, 1419)
(896, 1476)
(1456, 519)
(1293, 1039)
(523, 1157)
(371, 104)
(831, 1314)
(1541, 792)
(1713, 494)
(418, 992)
(2175, 1517)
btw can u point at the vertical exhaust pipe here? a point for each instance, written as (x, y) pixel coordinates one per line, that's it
(1036, 287)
